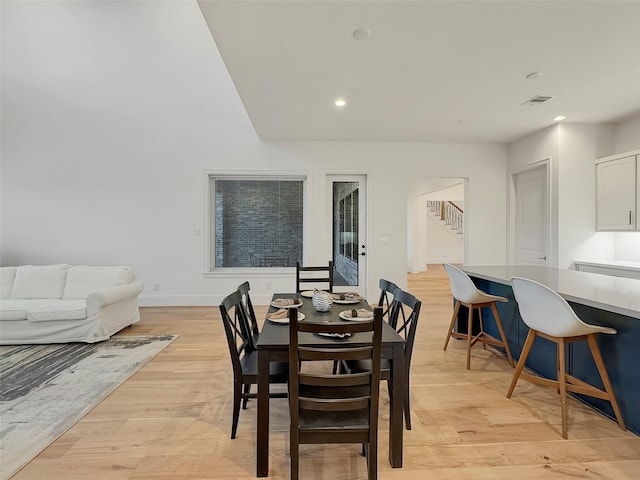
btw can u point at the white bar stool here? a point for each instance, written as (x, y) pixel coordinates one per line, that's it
(465, 293)
(549, 316)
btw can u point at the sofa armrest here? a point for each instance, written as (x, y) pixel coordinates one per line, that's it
(112, 295)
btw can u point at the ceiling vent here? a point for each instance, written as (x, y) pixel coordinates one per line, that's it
(537, 100)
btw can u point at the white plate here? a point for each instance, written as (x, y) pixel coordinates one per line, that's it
(346, 315)
(296, 305)
(307, 294)
(346, 302)
(285, 321)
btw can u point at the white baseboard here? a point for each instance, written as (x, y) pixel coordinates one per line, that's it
(179, 300)
(445, 260)
(194, 300)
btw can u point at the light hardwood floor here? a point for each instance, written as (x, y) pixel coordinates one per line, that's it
(171, 420)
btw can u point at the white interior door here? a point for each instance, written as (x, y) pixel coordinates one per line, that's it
(532, 216)
(347, 195)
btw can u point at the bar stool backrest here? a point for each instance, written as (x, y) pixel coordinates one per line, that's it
(544, 310)
(462, 287)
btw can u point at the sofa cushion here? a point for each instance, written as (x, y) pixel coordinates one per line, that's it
(34, 281)
(83, 280)
(7, 274)
(59, 310)
(19, 309)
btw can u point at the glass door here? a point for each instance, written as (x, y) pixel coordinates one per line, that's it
(348, 228)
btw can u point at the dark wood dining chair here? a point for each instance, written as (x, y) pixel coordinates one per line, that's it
(244, 357)
(250, 313)
(328, 407)
(386, 296)
(403, 317)
(314, 277)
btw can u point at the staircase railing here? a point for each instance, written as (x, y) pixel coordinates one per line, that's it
(450, 213)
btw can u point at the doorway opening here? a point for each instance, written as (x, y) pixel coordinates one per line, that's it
(435, 223)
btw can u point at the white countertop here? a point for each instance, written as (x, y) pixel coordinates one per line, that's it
(619, 264)
(614, 294)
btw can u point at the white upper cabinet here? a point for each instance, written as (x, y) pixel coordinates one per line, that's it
(616, 197)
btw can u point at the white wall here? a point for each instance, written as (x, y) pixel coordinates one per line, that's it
(537, 147)
(573, 149)
(627, 135)
(580, 145)
(441, 245)
(113, 111)
(626, 245)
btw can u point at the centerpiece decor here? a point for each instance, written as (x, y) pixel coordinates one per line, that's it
(322, 300)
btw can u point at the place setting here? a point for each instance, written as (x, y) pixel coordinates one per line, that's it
(281, 316)
(346, 298)
(360, 314)
(286, 302)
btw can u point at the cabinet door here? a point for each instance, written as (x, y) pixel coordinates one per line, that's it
(616, 194)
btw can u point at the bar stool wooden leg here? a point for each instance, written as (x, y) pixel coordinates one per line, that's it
(562, 383)
(558, 370)
(452, 324)
(595, 351)
(523, 357)
(469, 336)
(484, 345)
(496, 315)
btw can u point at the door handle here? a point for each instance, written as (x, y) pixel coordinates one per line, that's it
(629, 217)
(542, 258)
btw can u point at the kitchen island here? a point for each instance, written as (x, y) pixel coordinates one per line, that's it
(596, 299)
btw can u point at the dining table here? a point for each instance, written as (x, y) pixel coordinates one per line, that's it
(273, 346)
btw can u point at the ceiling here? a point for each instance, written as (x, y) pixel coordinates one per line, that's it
(431, 71)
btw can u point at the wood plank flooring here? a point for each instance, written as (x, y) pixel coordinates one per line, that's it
(171, 420)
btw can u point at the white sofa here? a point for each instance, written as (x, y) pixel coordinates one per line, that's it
(63, 303)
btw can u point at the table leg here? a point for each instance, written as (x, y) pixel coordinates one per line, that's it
(262, 436)
(396, 407)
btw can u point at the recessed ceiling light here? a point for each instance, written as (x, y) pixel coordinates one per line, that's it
(340, 102)
(361, 33)
(534, 75)
(559, 118)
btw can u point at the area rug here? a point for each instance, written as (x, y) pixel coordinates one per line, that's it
(45, 389)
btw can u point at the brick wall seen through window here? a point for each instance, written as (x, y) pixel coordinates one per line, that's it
(258, 222)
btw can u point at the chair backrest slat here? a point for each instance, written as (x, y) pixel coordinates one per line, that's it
(316, 354)
(386, 296)
(334, 405)
(248, 306)
(403, 317)
(312, 277)
(344, 380)
(236, 329)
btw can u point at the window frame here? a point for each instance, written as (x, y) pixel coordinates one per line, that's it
(210, 177)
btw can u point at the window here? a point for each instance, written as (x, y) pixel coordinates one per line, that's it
(256, 222)
(346, 219)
